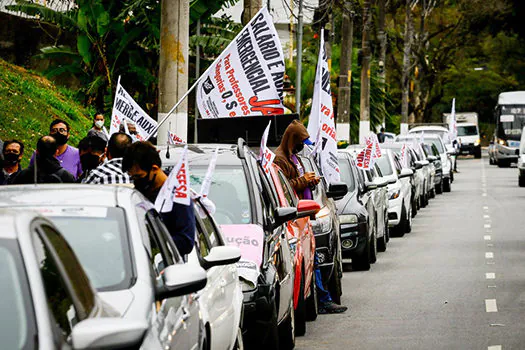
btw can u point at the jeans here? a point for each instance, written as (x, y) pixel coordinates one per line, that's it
(322, 294)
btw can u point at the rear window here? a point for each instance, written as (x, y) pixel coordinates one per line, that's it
(384, 165)
(347, 175)
(229, 192)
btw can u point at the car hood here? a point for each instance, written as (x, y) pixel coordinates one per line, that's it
(348, 204)
(119, 300)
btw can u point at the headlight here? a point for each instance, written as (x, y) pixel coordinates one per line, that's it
(502, 142)
(322, 224)
(348, 219)
(478, 141)
(394, 194)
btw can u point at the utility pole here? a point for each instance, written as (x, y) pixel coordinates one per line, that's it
(345, 73)
(173, 70)
(251, 7)
(382, 47)
(364, 123)
(197, 75)
(299, 59)
(405, 85)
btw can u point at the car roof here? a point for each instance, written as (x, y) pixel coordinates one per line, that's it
(413, 136)
(428, 127)
(9, 218)
(200, 154)
(61, 194)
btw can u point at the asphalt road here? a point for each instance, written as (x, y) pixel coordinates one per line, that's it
(456, 282)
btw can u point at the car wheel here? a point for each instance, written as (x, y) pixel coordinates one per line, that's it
(373, 247)
(439, 187)
(446, 185)
(381, 242)
(287, 330)
(300, 311)
(433, 193)
(451, 176)
(272, 337)
(521, 180)
(239, 344)
(387, 229)
(491, 161)
(477, 153)
(414, 207)
(334, 283)
(311, 301)
(408, 221)
(401, 228)
(503, 163)
(362, 262)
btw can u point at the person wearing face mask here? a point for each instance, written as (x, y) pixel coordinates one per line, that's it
(143, 164)
(92, 154)
(67, 155)
(98, 128)
(12, 152)
(111, 171)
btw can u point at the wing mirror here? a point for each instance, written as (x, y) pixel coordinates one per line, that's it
(380, 182)
(221, 255)
(180, 279)
(370, 186)
(283, 215)
(406, 173)
(391, 181)
(431, 159)
(307, 207)
(418, 165)
(337, 190)
(108, 333)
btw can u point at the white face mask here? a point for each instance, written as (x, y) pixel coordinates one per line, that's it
(99, 123)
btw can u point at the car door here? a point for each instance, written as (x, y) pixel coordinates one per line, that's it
(175, 320)
(406, 186)
(218, 295)
(69, 294)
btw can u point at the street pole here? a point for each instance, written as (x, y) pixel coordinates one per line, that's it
(299, 59)
(173, 70)
(251, 7)
(406, 71)
(364, 122)
(345, 74)
(382, 49)
(197, 75)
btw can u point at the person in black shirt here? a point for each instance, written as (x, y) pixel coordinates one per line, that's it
(12, 153)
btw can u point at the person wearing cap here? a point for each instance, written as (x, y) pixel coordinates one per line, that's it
(293, 141)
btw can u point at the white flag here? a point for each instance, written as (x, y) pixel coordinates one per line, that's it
(452, 127)
(366, 158)
(422, 137)
(206, 183)
(377, 147)
(404, 156)
(266, 156)
(174, 139)
(247, 78)
(321, 120)
(125, 107)
(176, 189)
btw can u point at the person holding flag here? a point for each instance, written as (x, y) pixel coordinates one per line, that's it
(143, 164)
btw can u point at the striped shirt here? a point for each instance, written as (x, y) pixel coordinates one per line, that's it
(108, 173)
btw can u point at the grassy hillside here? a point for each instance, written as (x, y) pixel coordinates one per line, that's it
(29, 102)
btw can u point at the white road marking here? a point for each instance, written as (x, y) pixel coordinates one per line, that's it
(490, 245)
(483, 195)
(489, 255)
(490, 305)
(490, 275)
(485, 208)
(487, 226)
(494, 347)
(486, 216)
(487, 237)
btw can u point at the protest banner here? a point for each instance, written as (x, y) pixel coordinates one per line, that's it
(174, 139)
(247, 78)
(266, 156)
(176, 188)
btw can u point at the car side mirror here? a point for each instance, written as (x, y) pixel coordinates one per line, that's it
(181, 279)
(370, 186)
(391, 181)
(307, 207)
(337, 190)
(380, 182)
(108, 333)
(406, 173)
(432, 159)
(283, 215)
(418, 165)
(221, 255)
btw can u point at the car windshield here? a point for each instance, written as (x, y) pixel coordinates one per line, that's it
(347, 175)
(99, 238)
(229, 192)
(17, 325)
(436, 143)
(384, 165)
(467, 130)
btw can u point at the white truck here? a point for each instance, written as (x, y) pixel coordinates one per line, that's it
(468, 132)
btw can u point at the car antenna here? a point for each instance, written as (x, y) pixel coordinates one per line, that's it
(168, 143)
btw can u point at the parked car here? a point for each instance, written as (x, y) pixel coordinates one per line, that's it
(399, 192)
(302, 242)
(433, 157)
(47, 299)
(356, 216)
(250, 217)
(127, 254)
(326, 231)
(444, 157)
(521, 160)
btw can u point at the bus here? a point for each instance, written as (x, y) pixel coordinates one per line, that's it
(510, 120)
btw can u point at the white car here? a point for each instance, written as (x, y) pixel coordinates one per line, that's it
(521, 160)
(47, 300)
(127, 254)
(399, 192)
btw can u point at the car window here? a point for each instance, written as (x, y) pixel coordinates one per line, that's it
(17, 322)
(347, 175)
(289, 195)
(203, 243)
(58, 297)
(212, 231)
(384, 165)
(268, 204)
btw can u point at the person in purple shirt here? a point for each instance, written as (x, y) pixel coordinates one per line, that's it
(68, 156)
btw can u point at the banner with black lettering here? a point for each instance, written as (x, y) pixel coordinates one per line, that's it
(124, 108)
(321, 122)
(247, 78)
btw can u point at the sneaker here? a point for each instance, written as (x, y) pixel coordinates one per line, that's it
(331, 308)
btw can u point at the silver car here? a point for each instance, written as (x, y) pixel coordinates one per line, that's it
(47, 300)
(127, 254)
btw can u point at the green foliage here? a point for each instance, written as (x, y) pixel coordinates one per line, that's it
(28, 103)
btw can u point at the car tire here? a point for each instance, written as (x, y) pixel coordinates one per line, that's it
(408, 221)
(439, 187)
(491, 161)
(239, 343)
(382, 241)
(362, 261)
(401, 228)
(334, 283)
(272, 339)
(414, 208)
(446, 185)
(503, 163)
(373, 247)
(477, 153)
(300, 311)
(521, 181)
(287, 331)
(311, 301)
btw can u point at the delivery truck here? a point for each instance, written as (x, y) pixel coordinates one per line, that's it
(467, 132)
